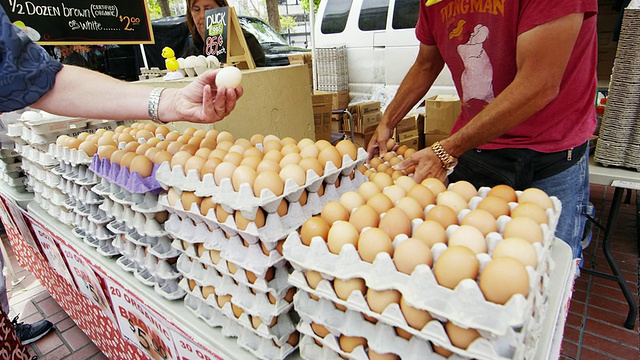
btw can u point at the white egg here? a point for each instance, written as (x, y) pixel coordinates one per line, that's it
(181, 62)
(30, 116)
(229, 77)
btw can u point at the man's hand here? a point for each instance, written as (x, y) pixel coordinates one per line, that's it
(378, 143)
(202, 102)
(427, 165)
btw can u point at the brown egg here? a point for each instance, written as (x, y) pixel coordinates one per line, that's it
(188, 199)
(268, 180)
(502, 278)
(351, 200)
(504, 192)
(469, 236)
(128, 158)
(127, 138)
(314, 226)
(375, 162)
(172, 196)
(88, 148)
(294, 172)
(217, 153)
(310, 151)
(436, 186)
(346, 147)
(195, 141)
(106, 140)
(422, 193)
(368, 189)
(224, 170)
(411, 253)
(208, 291)
(221, 214)
(523, 227)
(382, 180)
(180, 159)
(320, 330)
(223, 300)
(372, 242)
(272, 145)
(349, 343)
(531, 210)
(380, 202)
(105, 152)
(411, 207)
(162, 130)
(194, 163)
(209, 167)
(394, 192)
(481, 220)
(208, 142)
(464, 189)
(416, 318)
(334, 211)
(444, 215)
(242, 223)
(310, 164)
(517, 248)
(495, 206)
(174, 147)
(142, 165)
(313, 278)
(243, 175)
(206, 205)
(379, 300)
(344, 288)
(330, 154)
(116, 157)
(395, 222)
(151, 153)
(340, 234)
(203, 153)
(453, 200)
(268, 164)
(431, 232)
(455, 264)
(460, 337)
(536, 196)
(283, 208)
(364, 216)
(251, 161)
(163, 145)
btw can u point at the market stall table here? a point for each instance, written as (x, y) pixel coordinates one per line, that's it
(620, 179)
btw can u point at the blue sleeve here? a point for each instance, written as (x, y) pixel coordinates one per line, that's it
(27, 71)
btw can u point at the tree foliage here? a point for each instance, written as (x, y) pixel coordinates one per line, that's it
(305, 5)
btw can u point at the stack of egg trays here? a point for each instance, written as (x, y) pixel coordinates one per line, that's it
(507, 330)
(140, 239)
(76, 180)
(199, 236)
(11, 168)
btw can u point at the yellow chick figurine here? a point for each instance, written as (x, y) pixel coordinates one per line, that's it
(172, 64)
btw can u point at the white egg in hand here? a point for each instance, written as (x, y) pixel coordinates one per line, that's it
(229, 77)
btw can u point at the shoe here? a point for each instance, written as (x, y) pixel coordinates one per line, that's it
(28, 333)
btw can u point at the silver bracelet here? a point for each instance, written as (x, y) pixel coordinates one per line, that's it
(154, 101)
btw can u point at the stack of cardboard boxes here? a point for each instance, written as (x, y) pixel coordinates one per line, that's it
(303, 59)
(323, 104)
(409, 132)
(442, 111)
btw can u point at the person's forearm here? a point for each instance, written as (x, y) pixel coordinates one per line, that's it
(414, 86)
(85, 93)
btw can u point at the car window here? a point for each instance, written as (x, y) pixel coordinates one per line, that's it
(405, 14)
(373, 15)
(335, 16)
(261, 30)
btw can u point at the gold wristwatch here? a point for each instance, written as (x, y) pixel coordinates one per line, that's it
(448, 161)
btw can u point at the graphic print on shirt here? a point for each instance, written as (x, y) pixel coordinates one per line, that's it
(477, 76)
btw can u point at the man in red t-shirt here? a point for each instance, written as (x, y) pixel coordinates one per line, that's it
(525, 72)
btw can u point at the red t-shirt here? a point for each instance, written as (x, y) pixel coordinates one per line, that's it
(477, 40)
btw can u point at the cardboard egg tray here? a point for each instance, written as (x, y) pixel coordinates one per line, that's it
(142, 203)
(13, 181)
(249, 299)
(351, 322)
(131, 181)
(279, 332)
(15, 130)
(261, 348)
(202, 270)
(43, 123)
(38, 156)
(244, 199)
(79, 174)
(144, 223)
(12, 167)
(250, 257)
(420, 289)
(71, 156)
(275, 228)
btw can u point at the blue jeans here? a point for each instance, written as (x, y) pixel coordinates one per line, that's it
(571, 187)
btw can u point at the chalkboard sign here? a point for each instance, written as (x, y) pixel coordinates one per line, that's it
(81, 22)
(224, 38)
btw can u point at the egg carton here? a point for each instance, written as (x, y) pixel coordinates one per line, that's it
(42, 123)
(351, 322)
(420, 289)
(7, 154)
(145, 277)
(127, 264)
(13, 167)
(199, 269)
(118, 227)
(264, 304)
(81, 175)
(244, 199)
(161, 248)
(143, 223)
(131, 181)
(259, 347)
(71, 156)
(279, 332)
(13, 182)
(14, 130)
(275, 228)
(251, 257)
(39, 157)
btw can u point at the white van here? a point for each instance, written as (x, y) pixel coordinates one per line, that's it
(380, 40)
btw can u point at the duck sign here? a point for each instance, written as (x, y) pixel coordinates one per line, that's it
(224, 38)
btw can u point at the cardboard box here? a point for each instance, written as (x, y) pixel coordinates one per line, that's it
(322, 116)
(430, 139)
(340, 99)
(441, 113)
(407, 124)
(362, 139)
(411, 142)
(300, 58)
(401, 136)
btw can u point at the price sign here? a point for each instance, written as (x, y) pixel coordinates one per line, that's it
(140, 324)
(76, 22)
(191, 350)
(51, 252)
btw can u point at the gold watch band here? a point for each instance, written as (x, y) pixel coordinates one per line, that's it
(448, 161)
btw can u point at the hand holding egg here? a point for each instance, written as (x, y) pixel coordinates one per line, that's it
(229, 77)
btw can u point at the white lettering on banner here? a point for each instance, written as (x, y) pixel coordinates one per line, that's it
(70, 12)
(42, 10)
